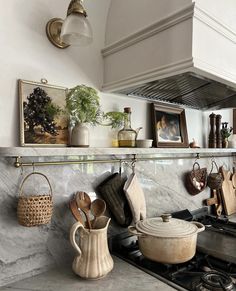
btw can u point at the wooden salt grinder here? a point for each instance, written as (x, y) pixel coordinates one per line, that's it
(218, 133)
(212, 134)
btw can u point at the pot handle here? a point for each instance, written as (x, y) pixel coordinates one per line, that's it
(200, 226)
(133, 230)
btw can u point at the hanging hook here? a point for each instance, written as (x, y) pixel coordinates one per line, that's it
(120, 167)
(197, 157)
(33, 167)
(21, 170)
(133, 163)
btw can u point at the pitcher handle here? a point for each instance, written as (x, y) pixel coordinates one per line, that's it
(73, 230)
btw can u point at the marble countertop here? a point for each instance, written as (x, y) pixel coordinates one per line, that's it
(123, 277)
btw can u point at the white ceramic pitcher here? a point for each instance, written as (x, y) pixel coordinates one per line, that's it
(93, 260)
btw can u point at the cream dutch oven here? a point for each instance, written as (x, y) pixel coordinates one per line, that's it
(167, 240)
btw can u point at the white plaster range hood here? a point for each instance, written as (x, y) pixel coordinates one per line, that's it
(186, 57)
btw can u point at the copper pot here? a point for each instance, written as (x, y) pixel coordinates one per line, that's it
(167, 240)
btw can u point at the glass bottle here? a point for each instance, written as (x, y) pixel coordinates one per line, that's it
(127, 135)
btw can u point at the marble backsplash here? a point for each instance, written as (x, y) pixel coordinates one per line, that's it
(25, 251)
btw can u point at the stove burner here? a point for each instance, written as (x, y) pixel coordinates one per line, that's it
(214, 281)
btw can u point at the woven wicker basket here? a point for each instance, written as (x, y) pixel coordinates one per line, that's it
(34, 210)
(196, 180)
(214, 180)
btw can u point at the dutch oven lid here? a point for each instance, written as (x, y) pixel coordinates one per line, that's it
(165, 226)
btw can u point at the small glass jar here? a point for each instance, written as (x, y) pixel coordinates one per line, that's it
(127, 135)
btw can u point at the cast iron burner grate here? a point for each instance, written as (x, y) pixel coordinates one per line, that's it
(214, 281)
(185, 276)
(203, 272)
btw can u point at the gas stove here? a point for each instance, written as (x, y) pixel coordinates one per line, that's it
(210, 269)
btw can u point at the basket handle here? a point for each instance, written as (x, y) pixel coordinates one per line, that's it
(34, 173)
(212, 165)
(196, 164)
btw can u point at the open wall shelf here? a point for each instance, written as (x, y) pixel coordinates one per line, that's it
(25, 156)
(75, 151)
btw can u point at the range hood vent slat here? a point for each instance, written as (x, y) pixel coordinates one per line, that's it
(186, 89)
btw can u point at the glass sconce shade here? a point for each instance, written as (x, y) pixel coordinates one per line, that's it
(76, 30)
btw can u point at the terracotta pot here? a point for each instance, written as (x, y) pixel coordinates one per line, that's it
(167, 240)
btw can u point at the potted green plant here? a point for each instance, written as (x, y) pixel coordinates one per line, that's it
(225, 133)
(115, 119)
(83, 107)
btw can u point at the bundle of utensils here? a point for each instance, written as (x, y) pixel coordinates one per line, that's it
(83, 209)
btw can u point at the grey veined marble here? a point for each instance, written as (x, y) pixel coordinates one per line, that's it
(25, 251)
(123, 277)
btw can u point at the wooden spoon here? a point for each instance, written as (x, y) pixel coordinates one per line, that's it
(84, 203)
(74, 210)
(98, 207)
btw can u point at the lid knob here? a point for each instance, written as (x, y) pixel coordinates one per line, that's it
(166, 217)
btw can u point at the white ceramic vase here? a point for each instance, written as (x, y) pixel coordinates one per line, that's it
(93, 260)
(232, 141)
(80, 135)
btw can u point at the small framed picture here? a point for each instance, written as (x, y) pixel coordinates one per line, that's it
(169, 126)
(43, 121)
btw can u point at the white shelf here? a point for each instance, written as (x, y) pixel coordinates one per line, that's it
(69, 151)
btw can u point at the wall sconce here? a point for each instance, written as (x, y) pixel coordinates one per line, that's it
(74, 30)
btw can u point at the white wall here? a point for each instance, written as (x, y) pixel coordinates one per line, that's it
(27, 54)
(128, 16)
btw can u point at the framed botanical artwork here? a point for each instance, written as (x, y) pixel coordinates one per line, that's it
(169, 126)
(43, 121)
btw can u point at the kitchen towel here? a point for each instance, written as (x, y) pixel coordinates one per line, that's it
(135, 197)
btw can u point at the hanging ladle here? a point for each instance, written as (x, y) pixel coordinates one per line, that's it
(84, 203)
(98, 207)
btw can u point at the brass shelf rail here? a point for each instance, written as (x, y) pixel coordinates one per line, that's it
(19, 163)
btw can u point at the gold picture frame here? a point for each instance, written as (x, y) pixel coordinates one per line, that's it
(169, 126)
(43, 121)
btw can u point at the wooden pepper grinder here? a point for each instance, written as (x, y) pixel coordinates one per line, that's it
(212, 134)
(218, 132)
